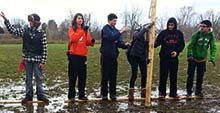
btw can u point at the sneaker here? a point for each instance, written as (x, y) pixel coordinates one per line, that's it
(113, 98)
(26, 99)
(104, 98)
(44, 99)
(83, 98)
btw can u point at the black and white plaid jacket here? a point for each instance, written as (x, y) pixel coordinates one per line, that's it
(20, 33)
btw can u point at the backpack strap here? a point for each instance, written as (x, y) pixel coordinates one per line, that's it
(210, 40)
(197, 36)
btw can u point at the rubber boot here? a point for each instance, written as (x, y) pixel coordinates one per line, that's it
(143, 92)
(131, 94)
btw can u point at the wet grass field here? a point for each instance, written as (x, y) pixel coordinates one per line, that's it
(56, 84)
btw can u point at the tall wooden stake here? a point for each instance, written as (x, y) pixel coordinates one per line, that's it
(151, 53)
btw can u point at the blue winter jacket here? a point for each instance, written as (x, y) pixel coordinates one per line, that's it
(111, 41)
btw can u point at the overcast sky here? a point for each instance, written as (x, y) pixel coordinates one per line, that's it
(59, 9)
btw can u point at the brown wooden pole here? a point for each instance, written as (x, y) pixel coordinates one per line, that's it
(151, 53)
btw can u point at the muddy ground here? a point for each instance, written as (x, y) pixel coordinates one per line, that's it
(56, 85)
(58, 93)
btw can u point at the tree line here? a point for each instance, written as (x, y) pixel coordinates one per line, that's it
(188, 21)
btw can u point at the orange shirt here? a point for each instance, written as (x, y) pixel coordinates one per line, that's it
(78, 41)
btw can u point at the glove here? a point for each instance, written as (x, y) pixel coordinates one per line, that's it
(213, 62)
(93, 40)
(85, 28)
(148, 61)
(189, 58)
(73, 24)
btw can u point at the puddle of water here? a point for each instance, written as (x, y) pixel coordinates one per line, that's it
(58, 93)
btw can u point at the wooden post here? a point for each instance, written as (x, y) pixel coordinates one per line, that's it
(151, 53)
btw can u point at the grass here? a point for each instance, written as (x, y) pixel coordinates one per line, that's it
(56, 67)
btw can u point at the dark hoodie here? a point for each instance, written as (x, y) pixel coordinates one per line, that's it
(170, 40)
(140, 45)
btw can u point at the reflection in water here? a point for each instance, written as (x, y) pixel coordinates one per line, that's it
(35, 108)
(58, 95)
(139, 107)
(78, 107)
(41, 108)
(29, 108)
(104, 107)
(108, 106)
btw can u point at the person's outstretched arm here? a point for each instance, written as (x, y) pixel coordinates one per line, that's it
(15, 31)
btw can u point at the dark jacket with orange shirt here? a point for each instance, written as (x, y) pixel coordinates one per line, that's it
(79, 39)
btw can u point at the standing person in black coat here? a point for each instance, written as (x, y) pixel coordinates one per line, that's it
(172, 43)
(138, 56)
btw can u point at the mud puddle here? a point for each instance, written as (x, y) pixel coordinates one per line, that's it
(57, 93)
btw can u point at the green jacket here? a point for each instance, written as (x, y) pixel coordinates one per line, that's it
(198, 48)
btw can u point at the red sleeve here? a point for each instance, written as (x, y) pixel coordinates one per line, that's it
(89, 40)
(75, 36)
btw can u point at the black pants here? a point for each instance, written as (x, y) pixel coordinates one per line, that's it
(201, 68)
(168, 66)
(109, 75)
(135, 62)
(77, 68)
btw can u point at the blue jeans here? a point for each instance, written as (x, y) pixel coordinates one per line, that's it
(33, 68)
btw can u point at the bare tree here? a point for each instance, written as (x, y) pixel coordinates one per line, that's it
(184, 16)
(214, 18)
(87, 19)
(18, 23)
(71, 15)
(63, 29)
(161, 22)
(132, 18)
(95, 30)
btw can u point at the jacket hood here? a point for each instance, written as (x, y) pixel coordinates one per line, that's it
(211, 31)
(172, 20)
